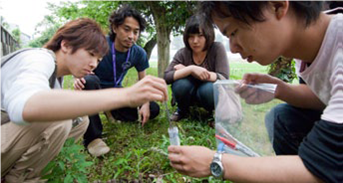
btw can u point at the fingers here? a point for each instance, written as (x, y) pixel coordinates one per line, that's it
(160, 85)
(253, 78)
(79, 83)
(150, 88)
(202, 74)
(174, 149)
(145, 118)
(246, 93)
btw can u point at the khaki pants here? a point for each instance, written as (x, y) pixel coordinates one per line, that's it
(26, 150)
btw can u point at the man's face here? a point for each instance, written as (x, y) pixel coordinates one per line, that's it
(127, 33)
(259, 41)
(82, 62)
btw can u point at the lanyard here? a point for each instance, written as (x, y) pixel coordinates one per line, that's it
(114, 65)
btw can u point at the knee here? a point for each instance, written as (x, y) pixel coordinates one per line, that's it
(80, 129)
(181, 87)
(278, 115)
(205, 91)
(269, 119)
(205, 94)
(154, 110)
(92, 82)
(62, 129)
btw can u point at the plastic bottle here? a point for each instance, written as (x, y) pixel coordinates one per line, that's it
(174, 136)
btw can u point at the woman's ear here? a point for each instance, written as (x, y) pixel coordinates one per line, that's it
(280, 8)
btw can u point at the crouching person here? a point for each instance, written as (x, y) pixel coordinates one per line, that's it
(36, 115)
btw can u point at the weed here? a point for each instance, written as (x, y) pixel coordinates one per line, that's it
(69, 165)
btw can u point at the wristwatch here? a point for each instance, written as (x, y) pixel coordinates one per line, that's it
(216, 167)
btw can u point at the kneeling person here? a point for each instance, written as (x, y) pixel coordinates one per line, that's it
(126, 25)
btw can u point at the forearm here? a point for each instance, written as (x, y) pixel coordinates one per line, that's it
(182, 73)
(298, 96)
(63, 104)
(266, 169)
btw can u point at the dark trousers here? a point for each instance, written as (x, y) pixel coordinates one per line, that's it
(287, 126)
(95, 128)
(190, 91)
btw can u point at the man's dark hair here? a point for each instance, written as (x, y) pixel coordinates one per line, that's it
(193, 25)
(335, 4)
(252, 11)
(117, 18)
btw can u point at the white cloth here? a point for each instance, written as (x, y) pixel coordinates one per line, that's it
(23, 76)
(325, 74)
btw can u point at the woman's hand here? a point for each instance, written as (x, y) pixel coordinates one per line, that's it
(200, 73)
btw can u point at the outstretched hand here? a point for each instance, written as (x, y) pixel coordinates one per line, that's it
(150, 88)
(193, 161)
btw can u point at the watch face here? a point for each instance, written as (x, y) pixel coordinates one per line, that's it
(216, 169)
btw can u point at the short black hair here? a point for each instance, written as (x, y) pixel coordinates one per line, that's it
(193, 25)
(252, 11)
(117, 18)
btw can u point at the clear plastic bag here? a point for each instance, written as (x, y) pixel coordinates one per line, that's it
(240, 122)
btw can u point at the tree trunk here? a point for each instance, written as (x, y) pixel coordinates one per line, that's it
(163, 44)
(149, 46)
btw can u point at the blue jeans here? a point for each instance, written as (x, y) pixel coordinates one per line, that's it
(288, 125)
(190, 91)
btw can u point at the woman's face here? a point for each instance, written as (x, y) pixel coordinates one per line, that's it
(197, 42)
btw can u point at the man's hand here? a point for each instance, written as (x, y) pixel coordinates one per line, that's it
(255, 95)
(150, 88)
(144, 111)
(193, 161)
(200, 73)
(79, 83)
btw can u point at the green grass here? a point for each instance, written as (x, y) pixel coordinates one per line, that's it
(139, 153)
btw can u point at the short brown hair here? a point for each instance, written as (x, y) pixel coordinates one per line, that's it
(80, 33)
(193, 25)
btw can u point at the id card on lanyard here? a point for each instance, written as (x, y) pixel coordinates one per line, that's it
(125, 66)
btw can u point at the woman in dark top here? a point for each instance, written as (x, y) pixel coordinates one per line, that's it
(195, 68)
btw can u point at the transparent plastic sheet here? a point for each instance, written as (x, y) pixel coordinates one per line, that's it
(240, 122)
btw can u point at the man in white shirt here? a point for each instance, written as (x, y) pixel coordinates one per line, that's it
(40, 115)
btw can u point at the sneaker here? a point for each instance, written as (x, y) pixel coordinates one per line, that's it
(98, 147)
(177, 116)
